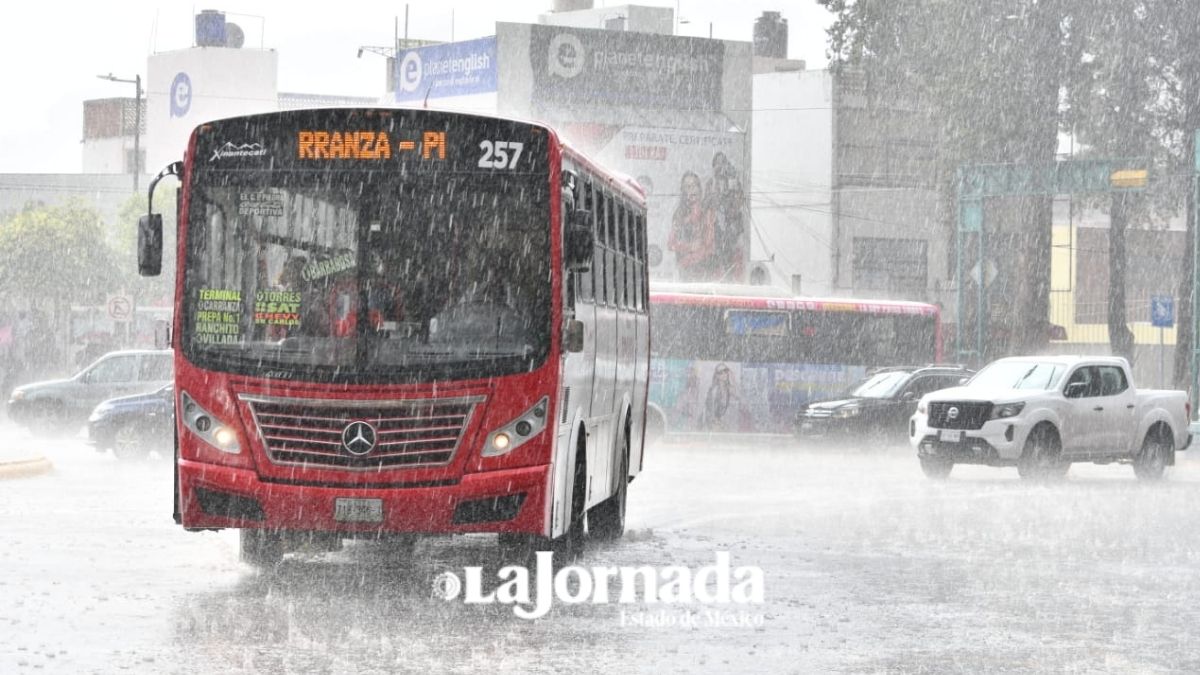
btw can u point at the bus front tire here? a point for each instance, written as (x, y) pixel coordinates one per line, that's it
(565, 548)
(261, 548)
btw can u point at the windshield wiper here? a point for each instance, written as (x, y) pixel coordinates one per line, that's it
(1024, 377)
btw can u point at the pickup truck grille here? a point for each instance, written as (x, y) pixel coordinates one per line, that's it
(966, 415)
(403, 434)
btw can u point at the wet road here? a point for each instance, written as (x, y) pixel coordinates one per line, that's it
(866, 565)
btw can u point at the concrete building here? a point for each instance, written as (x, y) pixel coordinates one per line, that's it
(110, 127)
(845, 198)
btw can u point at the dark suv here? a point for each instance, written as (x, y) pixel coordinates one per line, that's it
(876, 409)
(62, 406)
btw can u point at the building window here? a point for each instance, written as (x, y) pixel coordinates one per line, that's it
(894, 266)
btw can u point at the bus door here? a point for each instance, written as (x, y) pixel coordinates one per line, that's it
(581, 297)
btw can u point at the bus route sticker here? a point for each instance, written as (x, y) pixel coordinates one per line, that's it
(218, 316)
(277, 308)
(267, 203)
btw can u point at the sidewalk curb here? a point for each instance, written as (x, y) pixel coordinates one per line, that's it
(25, 468)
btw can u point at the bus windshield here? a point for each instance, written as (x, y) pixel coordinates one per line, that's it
(368, 276)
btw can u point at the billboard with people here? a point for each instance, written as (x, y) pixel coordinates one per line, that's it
(698, 206)
(670, 111)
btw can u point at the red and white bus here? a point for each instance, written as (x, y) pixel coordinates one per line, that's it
(403, 321)
(744, 358)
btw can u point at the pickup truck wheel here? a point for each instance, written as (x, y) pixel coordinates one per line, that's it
(1151, 462)
(936, 468)
(1042, 457)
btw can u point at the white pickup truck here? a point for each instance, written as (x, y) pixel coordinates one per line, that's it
(1041, 413)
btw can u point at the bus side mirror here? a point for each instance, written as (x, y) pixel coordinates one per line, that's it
(573, 336)
(578, 245)
(150, 235)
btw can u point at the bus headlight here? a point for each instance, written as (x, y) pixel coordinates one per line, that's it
(206, 426)
(514, 434)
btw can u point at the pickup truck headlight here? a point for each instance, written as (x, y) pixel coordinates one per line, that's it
(922, 406)
(1007, 410)
(206, 426)
(18, 394)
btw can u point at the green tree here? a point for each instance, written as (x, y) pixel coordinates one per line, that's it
(123, 234)
(989, 75)
(55, 256)
(1138, 95)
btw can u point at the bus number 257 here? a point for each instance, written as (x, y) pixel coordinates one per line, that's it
(496, 154)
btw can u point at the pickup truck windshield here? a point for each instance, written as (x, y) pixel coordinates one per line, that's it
(1019, 375)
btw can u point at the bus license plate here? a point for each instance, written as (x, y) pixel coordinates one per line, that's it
(347, 510)
(951, 435)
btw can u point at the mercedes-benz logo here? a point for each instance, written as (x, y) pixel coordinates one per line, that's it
(358, 438)
(952, 413)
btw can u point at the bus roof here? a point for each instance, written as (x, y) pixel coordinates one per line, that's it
(769, 297)
(619, 180)
(703, 288)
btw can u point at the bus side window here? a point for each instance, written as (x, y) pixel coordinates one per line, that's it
(630, 262)
(585, 278)
(622, 261)
(610, 258)
(600, 263)
(639, 242)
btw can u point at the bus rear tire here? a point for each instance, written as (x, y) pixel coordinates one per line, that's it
(261, 548)
(606, 520)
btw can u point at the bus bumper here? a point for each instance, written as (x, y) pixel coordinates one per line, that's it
(214, 496)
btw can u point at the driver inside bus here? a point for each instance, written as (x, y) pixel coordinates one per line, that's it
(385, 303)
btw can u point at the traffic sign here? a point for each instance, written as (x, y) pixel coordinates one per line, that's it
(120, 307)
(1162, 311)
(989, 273)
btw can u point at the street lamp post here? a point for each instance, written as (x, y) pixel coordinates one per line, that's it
(137, 121)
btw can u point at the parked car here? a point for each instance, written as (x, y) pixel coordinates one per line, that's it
(61, 406)
(1040, 414)
(878, 408)
(132, 426)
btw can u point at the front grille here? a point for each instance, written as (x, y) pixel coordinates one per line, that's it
(407, 433)
(969, 415)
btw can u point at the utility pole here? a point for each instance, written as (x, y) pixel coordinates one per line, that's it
(137, 121)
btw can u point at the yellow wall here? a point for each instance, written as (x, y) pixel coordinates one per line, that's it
(1062, 301)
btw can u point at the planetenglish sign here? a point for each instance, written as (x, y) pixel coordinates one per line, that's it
(452, 69)
(582, 66)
